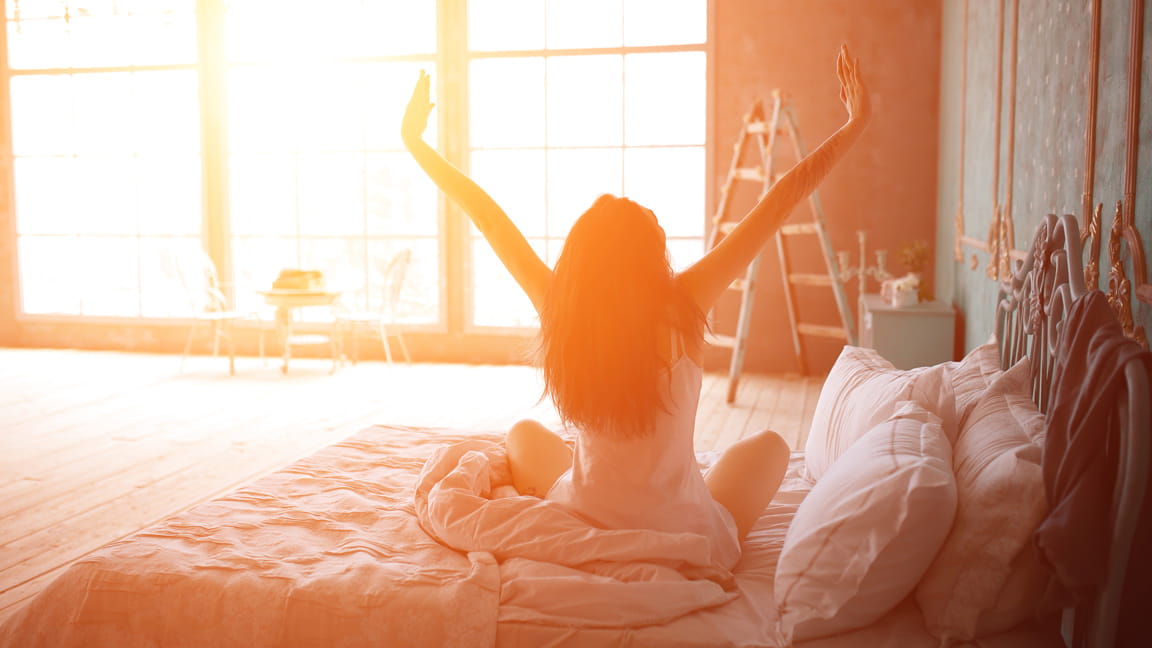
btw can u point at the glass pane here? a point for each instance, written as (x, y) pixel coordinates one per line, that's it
(261, 109)
(576, 177)
(41, 208)
(507, 106)
(664, 98)
(168, 194)
(38, 42)
(163, 293)
(584, 23)
(256, 262)
(42, 121)
(497, 300)
(505, 25)
(108, 276)
(340, 259)
(401, 199)
(330, 190)
(665, 22)
(165, 111)
(685, 252)
(43, 287)
(585, 95)
(100, 40)
(104, 118)
(419, 301)
(400, 28)
(516, 180)
(387, 87)
(670, 182)
(63, 34)
(330, 106)
(104, 195)
(267, 30)
(263, 194)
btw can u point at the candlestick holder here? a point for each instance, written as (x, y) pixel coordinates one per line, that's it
(862, 271)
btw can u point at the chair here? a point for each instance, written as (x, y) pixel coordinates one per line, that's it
(379, 319)
(198, 277)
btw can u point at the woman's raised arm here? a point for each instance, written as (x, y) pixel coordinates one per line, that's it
(707, 279)
(510, 246)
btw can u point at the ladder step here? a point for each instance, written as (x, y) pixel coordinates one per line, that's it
(726, 341)
(758, 127)
(749, 173)
(800, 228)
(822, 331)
(810, 279)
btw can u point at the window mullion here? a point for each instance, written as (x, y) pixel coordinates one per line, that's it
(452, 107)
(216, 234)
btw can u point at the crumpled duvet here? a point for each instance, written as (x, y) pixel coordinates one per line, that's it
(554, 567)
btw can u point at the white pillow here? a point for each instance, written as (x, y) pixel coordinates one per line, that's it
(983, 581)
(972, 376)
(862, 390)
(869, 528)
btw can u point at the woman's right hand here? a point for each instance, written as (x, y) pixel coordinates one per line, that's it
(852, 90)
(416, 115)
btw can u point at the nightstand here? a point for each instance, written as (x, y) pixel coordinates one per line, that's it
(908, 336)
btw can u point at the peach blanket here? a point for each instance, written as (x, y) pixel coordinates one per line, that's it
(555, 568)
(326, 552)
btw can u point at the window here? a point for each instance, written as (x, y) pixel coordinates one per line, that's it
(278, 145)
(106, 145)
(577, 99)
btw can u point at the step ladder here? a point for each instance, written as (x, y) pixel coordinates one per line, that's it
(763, 132)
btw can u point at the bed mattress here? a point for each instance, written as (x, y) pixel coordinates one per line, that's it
(330, 551)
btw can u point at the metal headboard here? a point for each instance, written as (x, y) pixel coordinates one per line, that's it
(1031, 307)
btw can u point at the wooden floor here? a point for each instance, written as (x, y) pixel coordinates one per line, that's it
(96, 445)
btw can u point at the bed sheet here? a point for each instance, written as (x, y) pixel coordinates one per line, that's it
(329, 552)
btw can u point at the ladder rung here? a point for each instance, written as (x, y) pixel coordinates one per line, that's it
(810, 279)
(758, 127)
(749, 173)
(822, 331)
(800, 228)
(727, 341)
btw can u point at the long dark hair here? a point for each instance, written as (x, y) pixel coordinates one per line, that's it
(613, 296)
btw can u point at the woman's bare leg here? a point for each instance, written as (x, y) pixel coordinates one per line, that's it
(536, 456)
(746, 476)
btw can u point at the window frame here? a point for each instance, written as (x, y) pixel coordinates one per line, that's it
(452, 60)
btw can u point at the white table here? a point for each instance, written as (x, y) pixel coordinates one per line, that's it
(908, 336)
(287, 301)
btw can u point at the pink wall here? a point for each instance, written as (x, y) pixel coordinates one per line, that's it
(885, 185)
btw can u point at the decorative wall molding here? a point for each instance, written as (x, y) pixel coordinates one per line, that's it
(1124, 291)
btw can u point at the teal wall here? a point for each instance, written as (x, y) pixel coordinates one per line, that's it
(1051, 112)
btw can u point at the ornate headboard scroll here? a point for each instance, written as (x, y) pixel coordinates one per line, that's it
(1031, 308)
(1123, 291)
(1036, 297)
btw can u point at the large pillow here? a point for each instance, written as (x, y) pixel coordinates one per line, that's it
(972, 376)
(984, 579)
(868, 529)
(862, 390)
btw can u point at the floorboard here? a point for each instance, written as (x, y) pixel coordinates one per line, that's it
(97, 445)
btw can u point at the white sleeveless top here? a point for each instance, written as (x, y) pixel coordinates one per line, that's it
(652, 481)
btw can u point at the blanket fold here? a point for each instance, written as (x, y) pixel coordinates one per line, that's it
(555, 567)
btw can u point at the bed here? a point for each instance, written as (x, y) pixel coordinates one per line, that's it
(928, 507)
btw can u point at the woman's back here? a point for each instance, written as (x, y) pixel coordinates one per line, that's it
(650, 481)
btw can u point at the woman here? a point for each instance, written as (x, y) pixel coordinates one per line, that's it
(621, 340)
